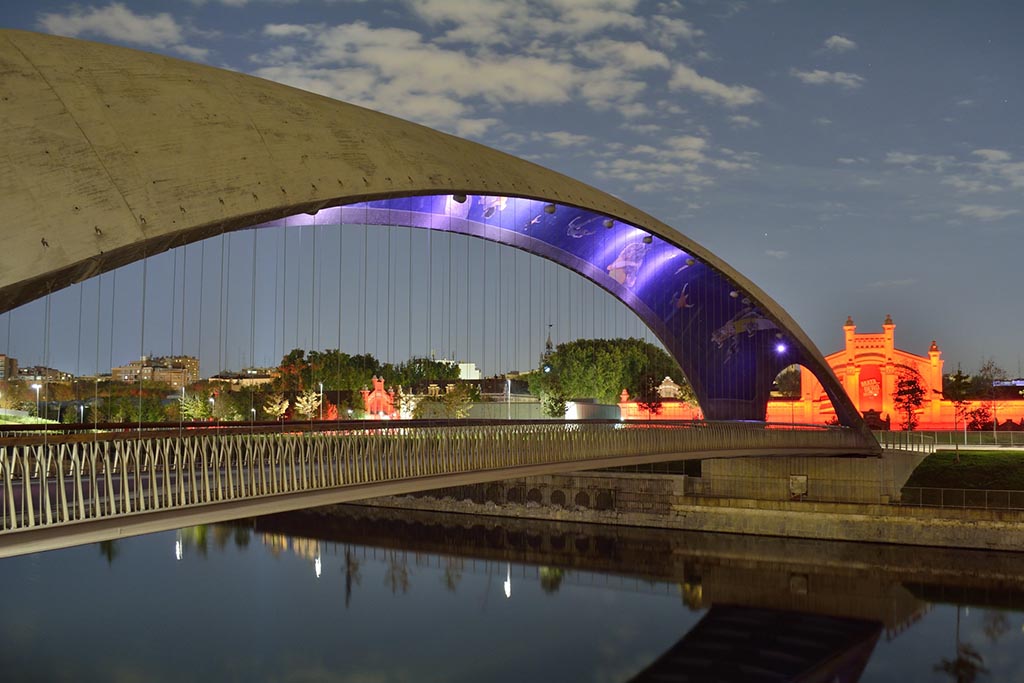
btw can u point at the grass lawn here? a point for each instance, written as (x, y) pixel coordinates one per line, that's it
(976, 470)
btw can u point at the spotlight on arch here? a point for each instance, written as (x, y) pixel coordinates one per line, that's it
(734, 294)
(608, 222)
(781, 348)
(459, 198)
(549, 208)
(648, 239)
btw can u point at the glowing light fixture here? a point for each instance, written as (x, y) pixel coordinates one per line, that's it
(780, 348)
(608, 222)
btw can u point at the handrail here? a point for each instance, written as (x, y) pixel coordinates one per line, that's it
(48, 481)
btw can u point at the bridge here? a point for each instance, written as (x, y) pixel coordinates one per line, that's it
(114, 156)
(73, 488)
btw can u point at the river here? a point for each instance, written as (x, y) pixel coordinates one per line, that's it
(363, 595)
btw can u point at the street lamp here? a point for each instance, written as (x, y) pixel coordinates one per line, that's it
(37, 387)
(321, 401)
(211, 405)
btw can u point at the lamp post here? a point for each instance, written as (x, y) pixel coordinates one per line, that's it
(321, 401)
(37, 387)
(211, 400)
(508, 397)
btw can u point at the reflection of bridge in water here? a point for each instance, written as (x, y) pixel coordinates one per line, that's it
(778, 609)
(77, 488)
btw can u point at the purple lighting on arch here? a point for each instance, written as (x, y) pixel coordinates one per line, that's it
(780, 348)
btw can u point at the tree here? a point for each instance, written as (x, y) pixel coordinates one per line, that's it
(788, 382)
(601, 369)
(957, 389)
(979, 418)
(909, 395)
(649, 399)
(276, 406)
(308, 404)
(194, 407)
(981, 383)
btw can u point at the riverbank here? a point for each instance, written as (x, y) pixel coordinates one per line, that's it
(669, 502)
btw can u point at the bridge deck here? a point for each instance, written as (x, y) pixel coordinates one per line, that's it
(65, 489)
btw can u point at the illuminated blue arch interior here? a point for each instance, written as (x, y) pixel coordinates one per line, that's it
(727, 344)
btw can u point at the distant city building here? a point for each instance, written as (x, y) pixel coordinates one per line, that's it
(41, 373)
(177, 371)
(467, 370)
(8, 367)
(249, 377)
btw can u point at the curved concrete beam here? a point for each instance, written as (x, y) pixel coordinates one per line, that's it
(111, 154)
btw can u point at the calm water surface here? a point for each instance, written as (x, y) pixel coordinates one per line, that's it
(374, 596)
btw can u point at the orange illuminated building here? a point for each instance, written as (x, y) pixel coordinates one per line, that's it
(868, 368)
(379, 404)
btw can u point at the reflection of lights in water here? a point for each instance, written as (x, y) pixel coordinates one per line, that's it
(316, 565)
(508, 582)
(177, 549)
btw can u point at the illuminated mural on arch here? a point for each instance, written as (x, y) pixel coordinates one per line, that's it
(728, 346)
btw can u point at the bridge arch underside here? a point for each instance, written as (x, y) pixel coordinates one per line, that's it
(728, 345)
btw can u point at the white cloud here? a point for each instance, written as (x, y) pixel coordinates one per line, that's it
(822, 121)
(563, 138)
(851, 160)
(668, 29)
(984, 212)
(839, 43)
(685, 78)
(821, 77)
(776, 253)
(625, 55)
(968, 185)
(965, 103)
(744, 122)
(992, 155)
(119, 23)
(116, 22)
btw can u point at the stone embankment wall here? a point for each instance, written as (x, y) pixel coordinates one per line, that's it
(670, 501)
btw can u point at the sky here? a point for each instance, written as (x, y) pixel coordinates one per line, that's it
(851, 158)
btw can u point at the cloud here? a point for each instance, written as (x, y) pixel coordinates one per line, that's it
(744, 122)
(821, 77)
(668, 29)
(851, 160)
(776, 253)
(625, 55)
(992, 155)
(968, 185)
(685, 78)
(118, 23)
(822, 121)
(983, 212)
(562, 138)
(839, 43)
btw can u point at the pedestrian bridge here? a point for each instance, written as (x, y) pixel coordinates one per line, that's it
(79, 486)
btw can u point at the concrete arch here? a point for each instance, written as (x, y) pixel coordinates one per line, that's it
(112, 154)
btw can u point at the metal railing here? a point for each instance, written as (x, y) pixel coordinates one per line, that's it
(54, 479)
(917, 442)
(958, 438)
(984, 499)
